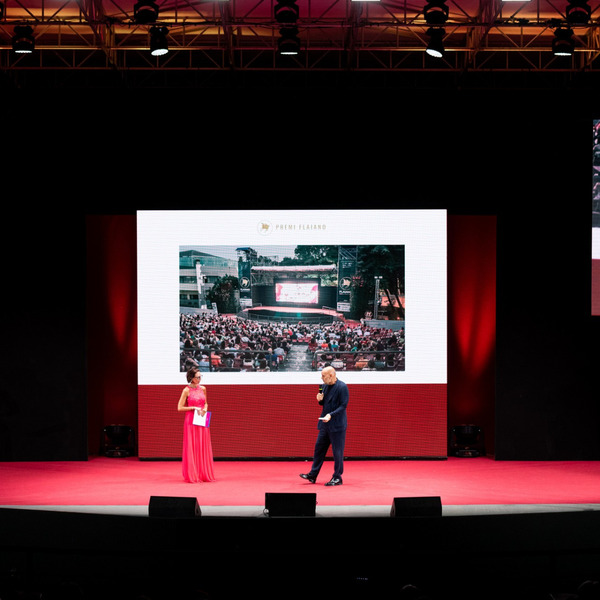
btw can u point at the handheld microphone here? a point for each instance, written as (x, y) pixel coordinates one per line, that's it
(320, 389)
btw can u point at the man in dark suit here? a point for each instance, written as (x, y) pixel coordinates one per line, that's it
(332, 427)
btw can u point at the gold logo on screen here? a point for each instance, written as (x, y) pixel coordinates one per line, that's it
(266, 228)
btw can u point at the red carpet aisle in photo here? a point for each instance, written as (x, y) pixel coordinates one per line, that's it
(458, 481)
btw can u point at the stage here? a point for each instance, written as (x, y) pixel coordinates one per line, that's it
(464, 485)
(507, 529)
(294, 314)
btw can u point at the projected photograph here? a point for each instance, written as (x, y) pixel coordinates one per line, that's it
(294, 308)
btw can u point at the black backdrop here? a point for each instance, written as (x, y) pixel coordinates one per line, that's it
(68, 154)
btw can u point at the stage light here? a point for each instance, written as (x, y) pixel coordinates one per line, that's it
(286, 11)
(118, 441)
(23, 41)
(288, 42)
(145, 11)
(158, 41)
(563, 44)
(578, 12)
(436, 12)
(436, 41)
(466, 441)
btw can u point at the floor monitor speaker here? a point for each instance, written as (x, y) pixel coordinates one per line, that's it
(172, 506)
(290, 505)
(426, 506)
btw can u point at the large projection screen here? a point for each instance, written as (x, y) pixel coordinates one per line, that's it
(364, 290)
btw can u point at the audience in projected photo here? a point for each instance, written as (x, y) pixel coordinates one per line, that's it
(225, 343)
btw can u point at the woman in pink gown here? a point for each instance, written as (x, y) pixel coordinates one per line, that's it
(197, 447)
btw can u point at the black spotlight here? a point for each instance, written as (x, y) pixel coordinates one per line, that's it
(466, 441)
(145, 11)
(436, 41)
(436, 12)
(23, 41)
(288, 42)
(563, 44)
(158, 41)
(286, 12)
(578, 12)
(118, 441)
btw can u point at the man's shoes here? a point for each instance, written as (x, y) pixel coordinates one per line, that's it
(308, 477)
(334, 481)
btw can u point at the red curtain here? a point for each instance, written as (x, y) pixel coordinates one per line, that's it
(472, 322)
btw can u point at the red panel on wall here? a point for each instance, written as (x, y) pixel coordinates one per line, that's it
(595, 287)
(251, 421)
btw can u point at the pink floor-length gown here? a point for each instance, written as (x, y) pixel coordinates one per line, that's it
(197, 447)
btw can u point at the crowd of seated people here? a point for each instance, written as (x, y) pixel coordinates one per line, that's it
(360, 349)
(226, 343)
(392, 360)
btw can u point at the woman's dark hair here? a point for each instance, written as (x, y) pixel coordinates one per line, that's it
(191, 374)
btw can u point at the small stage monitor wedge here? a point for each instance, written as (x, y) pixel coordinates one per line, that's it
(174, 507)
(426, 506)
(290, 504)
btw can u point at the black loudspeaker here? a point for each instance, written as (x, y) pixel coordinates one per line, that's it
(178, 508)
(428, 506)
(290, 505)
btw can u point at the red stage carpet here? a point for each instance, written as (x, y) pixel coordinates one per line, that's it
(458, 481)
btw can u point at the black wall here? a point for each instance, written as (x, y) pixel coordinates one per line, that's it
(471, 152)
(548, 351)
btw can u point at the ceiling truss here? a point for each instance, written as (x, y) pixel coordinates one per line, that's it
(336, 35)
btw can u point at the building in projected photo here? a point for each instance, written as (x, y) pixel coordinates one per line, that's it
(198, 272)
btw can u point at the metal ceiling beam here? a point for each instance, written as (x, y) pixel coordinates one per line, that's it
(382, 36)
(102, 31)
(318, 59)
